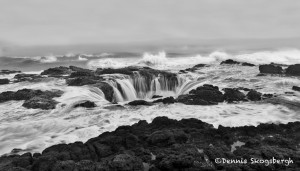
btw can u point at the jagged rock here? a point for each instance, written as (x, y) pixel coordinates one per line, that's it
(126, 162)
(40, 103)
(26, 94)
(267, 95)
(208, 93)
(156, 96)
(167, 100)
(194, 100)
(254, 95)
(78, 69)
(81, 74)
(33, 98)
(27, 77)
(139, 102)
(293, 70)
(296, 88)
(167, 144)
(80, 81)
(194, 68)
(199, 65)
(87, 104)
(270, 69)
(4, 81)
(57, 71)
(232, 94)
(5, 71)
(247, 64)
(230, 61)
(106, 89)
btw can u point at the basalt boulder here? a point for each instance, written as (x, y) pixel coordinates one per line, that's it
(27, 77)
(296, 88)
(208, 93)
(40, 103)
(230, 62)
(167, 100)
(270, 69)
(106, 89)
(80, 81)
(293, 70)
(247, 64)
(140, 102)
(33, 98)
(57, 71)
(193, 100)
(254, 95)
(232, 94)
(4, 81)
(87, 104)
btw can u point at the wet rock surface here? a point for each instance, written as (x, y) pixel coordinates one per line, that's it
(296, 88)
(270, 69)
(293, 70)
(232, 62)
(140, 102)
(5, 71)
(166, 144)
(57, 71)
(4, 81)
(87, 104)
(33, 98)
(27, 77)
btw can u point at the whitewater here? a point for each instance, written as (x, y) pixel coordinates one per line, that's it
(32, 130)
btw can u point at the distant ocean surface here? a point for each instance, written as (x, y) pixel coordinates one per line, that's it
(158, 59)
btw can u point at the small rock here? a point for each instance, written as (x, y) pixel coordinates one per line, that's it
(296, 88)
(254, 95)
(87, 104)
(230, 62)
(140, 102)
(4, 81)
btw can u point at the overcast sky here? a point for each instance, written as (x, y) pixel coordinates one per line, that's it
(68, 22)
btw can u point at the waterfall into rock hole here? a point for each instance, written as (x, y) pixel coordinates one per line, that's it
(128, 88)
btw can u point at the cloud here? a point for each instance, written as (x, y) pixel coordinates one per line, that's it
(63, 22)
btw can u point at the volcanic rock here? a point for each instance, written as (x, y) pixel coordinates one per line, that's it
(33, 98)
(232, 94)
(27, 77)
(247, 64)
(208, 93)
(139, 102)
(254, 95)
(293, 70)
(40, 103)
(156, 96)
(57, 71)
(296, 88)
(166, 144)
(270, 69)
(4, 81)
(106, 89)
(87, 104)
(230, 62)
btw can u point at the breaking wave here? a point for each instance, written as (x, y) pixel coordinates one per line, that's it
(161, 60)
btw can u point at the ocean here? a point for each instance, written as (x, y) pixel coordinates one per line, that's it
(32, 130)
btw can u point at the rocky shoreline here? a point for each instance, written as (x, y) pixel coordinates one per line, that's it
(166, 144)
